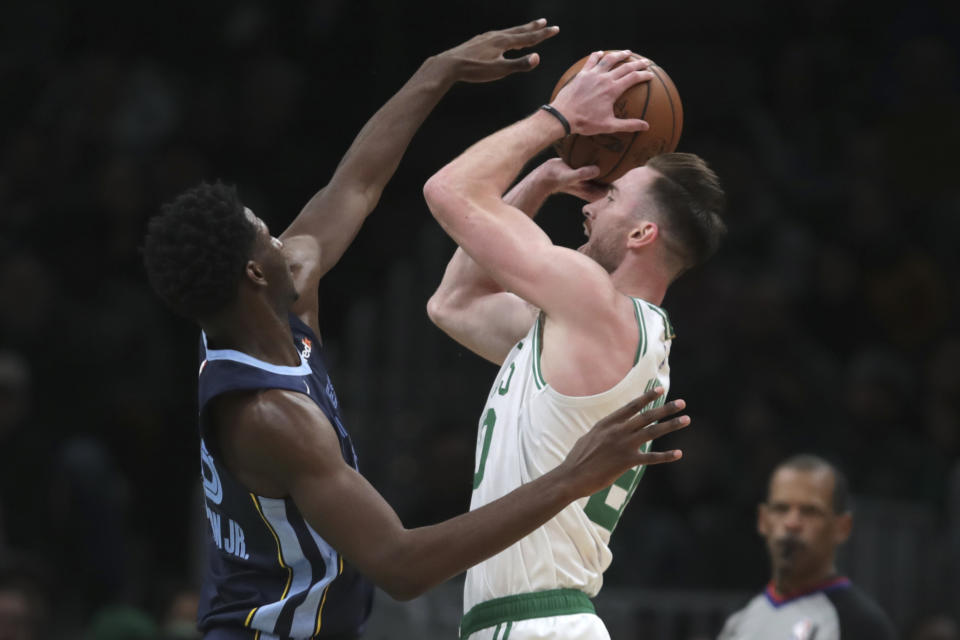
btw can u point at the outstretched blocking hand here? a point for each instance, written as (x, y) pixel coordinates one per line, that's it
(587, 100)
(614, 445)
(481, 59)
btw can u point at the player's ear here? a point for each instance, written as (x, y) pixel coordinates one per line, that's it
(843, 528)
(643, 234)
(762, 527)
(255, 274)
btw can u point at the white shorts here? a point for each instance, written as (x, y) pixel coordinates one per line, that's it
(562, 614)
(585, 626)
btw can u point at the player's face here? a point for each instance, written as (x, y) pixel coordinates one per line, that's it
(799, 523)
(269, 252)
(610, 219)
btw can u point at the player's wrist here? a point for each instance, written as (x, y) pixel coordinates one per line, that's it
(559, 116)
(562, 480)
(552, 125)
(441, 70)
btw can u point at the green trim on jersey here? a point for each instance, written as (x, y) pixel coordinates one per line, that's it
(641, 323)
(537, 348)
(506, 632)
(668, 328)
(525, 606)
(641, 345)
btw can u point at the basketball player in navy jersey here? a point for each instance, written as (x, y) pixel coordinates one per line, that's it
(296, 533)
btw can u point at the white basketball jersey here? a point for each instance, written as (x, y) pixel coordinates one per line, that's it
(527, 428)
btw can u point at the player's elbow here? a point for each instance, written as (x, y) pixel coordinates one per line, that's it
(404, 590)
(440, 192)
(403, 580)
(405, 570)
(439, 309)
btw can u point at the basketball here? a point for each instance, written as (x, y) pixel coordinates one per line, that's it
(656, 101)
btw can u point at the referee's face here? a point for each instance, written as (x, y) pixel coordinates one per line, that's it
(800, 525)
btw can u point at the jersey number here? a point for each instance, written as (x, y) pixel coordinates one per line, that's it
(605, 507)
(483, 445)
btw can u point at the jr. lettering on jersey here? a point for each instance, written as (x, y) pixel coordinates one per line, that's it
(231, 541)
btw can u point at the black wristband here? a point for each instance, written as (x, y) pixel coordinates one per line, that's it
(559, 116)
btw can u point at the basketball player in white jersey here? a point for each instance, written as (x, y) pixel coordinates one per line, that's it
(576, 332)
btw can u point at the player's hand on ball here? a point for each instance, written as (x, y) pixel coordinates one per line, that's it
(562, 178)
(614, 444)
(587, 101)
(481, 59)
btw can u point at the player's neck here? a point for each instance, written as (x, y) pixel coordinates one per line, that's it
(788, 584)
(639, 282)
(258, 332)
(642, 278)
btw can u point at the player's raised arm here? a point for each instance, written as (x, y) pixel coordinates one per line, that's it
(469, 305)
(465, 196)
(285, 446)
(333, 216)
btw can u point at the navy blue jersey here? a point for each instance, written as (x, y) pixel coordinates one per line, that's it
(270, 575)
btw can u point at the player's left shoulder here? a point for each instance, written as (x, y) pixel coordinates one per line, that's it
(860, 617)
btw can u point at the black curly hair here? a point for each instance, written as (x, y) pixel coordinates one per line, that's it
(195, 251)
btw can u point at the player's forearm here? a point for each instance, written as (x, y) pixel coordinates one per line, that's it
(336, 212)
(487, 168)
(434, 554)
(531, 193)
(377, 150)
(464, 278)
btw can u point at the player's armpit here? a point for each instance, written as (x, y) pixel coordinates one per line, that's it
(303, 253)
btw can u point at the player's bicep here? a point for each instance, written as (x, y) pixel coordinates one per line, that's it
(297, 446)
(332, 217)
(523, 260)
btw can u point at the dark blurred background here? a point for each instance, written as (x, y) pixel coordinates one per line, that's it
(827, 323)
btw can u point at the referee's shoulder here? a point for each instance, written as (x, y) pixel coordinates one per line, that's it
(861, 618)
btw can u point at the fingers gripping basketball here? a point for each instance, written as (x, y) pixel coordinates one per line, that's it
(656, 101)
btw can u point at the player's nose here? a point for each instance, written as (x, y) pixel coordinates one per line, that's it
(793, 521)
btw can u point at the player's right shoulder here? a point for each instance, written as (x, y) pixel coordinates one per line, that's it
(275, 421)
(269, 437)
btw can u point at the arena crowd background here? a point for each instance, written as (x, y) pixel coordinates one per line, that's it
(827, 323)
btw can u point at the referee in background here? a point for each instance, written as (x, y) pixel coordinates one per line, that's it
(805, 518)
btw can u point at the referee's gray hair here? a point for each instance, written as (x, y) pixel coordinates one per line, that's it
(842, 502)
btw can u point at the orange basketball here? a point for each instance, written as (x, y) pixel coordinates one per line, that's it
(656, 101)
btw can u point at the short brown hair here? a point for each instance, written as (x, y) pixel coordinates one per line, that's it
(689, 195)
